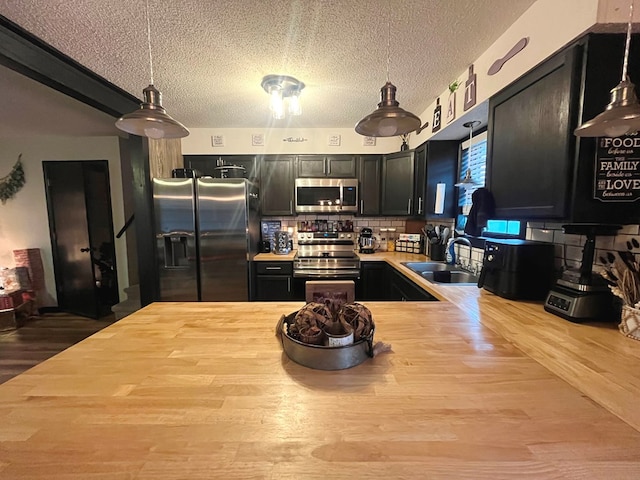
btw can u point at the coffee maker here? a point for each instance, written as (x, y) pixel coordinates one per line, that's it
(367, 243)
(579, 295)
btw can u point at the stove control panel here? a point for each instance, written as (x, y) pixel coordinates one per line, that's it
(324, 237)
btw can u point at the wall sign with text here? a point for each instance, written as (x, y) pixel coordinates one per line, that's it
(617, 175)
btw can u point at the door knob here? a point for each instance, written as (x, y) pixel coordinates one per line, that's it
(88, 249)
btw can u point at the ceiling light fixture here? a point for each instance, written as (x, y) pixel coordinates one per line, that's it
(389, 119)
(279, 88)
(151, 119)
(467, 182)
(622, 115)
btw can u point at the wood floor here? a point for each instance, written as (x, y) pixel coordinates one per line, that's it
(41, 338)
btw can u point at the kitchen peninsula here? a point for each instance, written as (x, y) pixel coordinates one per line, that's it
(203, 390)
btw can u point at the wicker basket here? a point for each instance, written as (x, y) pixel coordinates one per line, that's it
(630, 322)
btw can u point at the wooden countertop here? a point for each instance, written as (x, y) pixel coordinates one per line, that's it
(203, 390)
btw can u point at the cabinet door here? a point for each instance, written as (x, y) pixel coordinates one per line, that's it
(276, 185)
(373, 284)
(273, 288)
(397, 183)
(369, 176)
(531, 144)
(420, 187)
(442, 165)
(405, 290)
(311, 166)
(341, 166)
(336, 166)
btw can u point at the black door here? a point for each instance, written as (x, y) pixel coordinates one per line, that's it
(82, 241)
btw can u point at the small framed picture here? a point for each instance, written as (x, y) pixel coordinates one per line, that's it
(369, 141)
(257, 139)
(334, 140)
(217, 140)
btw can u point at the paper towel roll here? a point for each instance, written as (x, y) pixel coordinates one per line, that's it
(439, 205)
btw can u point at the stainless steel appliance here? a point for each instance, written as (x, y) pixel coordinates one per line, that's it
(579, 295)
(326, 255)
(517, 269)
(207, 233)
(367, 243)
(326, 195)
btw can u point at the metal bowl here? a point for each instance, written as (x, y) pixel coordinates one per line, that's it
(320, 357)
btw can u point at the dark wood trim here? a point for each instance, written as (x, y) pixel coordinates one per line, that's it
(23, 52)
(26, 54)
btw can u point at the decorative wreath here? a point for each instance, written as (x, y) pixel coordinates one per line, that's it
(12, 183)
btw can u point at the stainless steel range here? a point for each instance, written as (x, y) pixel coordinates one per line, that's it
(326, 255)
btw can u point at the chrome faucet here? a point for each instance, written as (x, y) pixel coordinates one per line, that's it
(451, 253)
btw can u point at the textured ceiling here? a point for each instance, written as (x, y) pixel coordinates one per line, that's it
(209, 56)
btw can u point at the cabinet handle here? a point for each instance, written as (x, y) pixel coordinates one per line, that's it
(289, 284)
(361, 207)
(419, 205)
(409, 207)
(328, 166)
(291, 207)
(273, 268)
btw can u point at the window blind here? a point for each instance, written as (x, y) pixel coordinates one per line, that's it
(476, 161)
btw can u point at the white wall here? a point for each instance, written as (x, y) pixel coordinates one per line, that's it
(24, 219)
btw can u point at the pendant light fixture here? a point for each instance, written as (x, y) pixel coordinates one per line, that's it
(467, 182)
(151, 119)
(389, 120)
(622, 115)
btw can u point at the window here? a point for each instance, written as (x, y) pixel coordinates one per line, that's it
(476, 162)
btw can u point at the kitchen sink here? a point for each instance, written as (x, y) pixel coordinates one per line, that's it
(420, 267)
(456, 277)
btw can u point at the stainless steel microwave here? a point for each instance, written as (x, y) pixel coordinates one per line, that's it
(326, 195)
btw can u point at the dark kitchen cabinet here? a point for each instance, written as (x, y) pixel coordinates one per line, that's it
(398, 183)
(537, 168)
(369, 177)
(274, 281)
(403, 289)
(373, 283)
(207, 164)
(276, 185)
(336, 166)
(442, 167)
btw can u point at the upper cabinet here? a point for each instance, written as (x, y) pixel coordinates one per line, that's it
(442, 167)
(207, 164)
(336, 166)
(398, 183)
(369, 191)
(537, 168)
(276, 185)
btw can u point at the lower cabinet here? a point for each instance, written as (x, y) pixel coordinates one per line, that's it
(403, 289)
(274, 281)
(373, 284)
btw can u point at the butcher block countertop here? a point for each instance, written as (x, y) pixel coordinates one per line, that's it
(204, 391)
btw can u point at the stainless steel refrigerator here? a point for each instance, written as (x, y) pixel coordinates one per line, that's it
(207, 233)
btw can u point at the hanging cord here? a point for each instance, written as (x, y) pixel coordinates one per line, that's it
(149, 41)
(388, 44)
(628, 42)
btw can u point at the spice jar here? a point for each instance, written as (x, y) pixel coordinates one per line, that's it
(391, 239)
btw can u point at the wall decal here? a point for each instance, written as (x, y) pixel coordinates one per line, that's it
(437, 116)
(369, 141)
(13, 182)
(497, 65)
(257, 139)
(470, 90)
(295, 139)
(217, 140)
(451, 103)
(334, 140)
(617, 169)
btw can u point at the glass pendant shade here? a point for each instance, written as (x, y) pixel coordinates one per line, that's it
(151, 119)
(388, 120)
(281, 88)
(621, 116)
